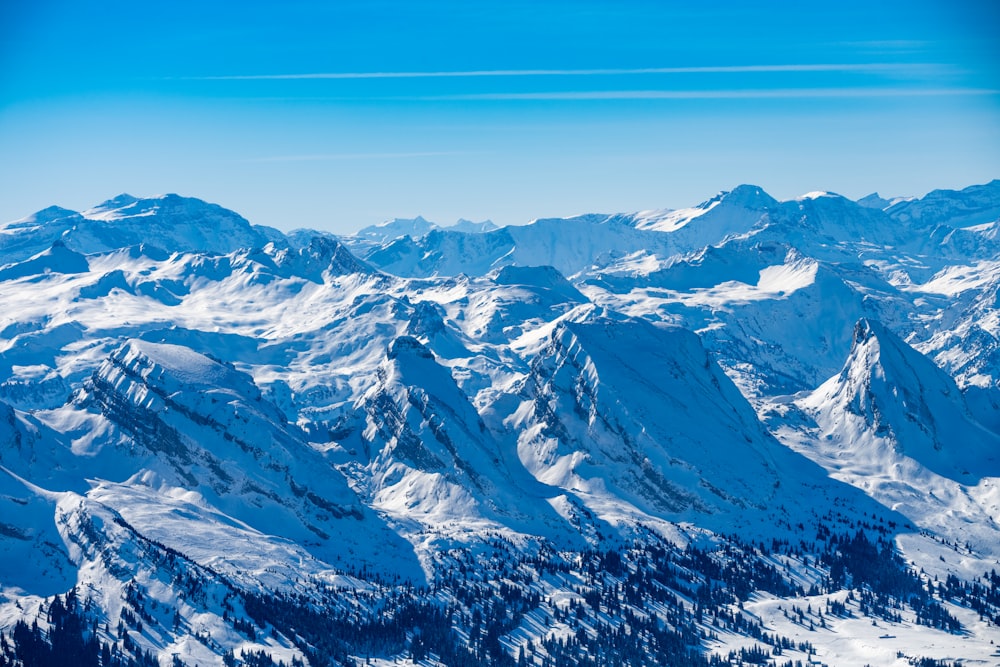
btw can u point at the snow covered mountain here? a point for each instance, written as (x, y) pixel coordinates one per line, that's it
(749, 431)
(373, 236)
(572, 245)
(162, 222)
(903, 400)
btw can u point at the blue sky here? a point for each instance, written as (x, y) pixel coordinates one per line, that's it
(336, 115)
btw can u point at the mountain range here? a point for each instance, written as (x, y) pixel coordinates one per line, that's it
(747, 432)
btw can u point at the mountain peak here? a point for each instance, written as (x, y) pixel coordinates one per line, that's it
(865, 330)
(174, 206)
(728, 212)
(55, 259)
(270, 423)
(332, 255)
(902, 405)
(390, 230)
(408, 345)
(114, 203)
(418, 222)
(874, 201)
(470, 227)
(743, 196)
(646, 409)
(748, 196)
(46, 217)
(819, 194)
(171, 222)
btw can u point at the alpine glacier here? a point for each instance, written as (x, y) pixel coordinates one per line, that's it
(746, 432)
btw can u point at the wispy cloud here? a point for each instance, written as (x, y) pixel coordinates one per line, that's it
(889, 44)
(318, 157)
(778, 93)
(711, 69)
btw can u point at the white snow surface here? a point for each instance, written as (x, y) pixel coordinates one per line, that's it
(290, 417)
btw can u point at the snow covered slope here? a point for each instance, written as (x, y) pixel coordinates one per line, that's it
(566, 442)
(975, 205)
(577, 244)
(894, 424)
(620, 408)
(169, 221)
(904, 404)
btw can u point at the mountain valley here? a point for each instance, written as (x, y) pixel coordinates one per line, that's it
(747, 432)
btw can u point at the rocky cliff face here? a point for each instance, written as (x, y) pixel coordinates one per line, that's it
(199, 424)
(614, 435)
(641, 414)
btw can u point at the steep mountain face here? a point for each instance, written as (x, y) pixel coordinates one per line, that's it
(974, 205)
(893, 423)
(432, 459)
(722, 268)
(902, 405)
(798, 337)
(826, 217)
(196, 424)
(571, 442)
(620, 410)
(728, 213)
(968, 347)
(57, 259)
(777, 320)
(964, 243)
(33, 557)
(706, 268)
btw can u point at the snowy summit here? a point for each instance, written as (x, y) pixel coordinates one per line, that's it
(749, 431)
